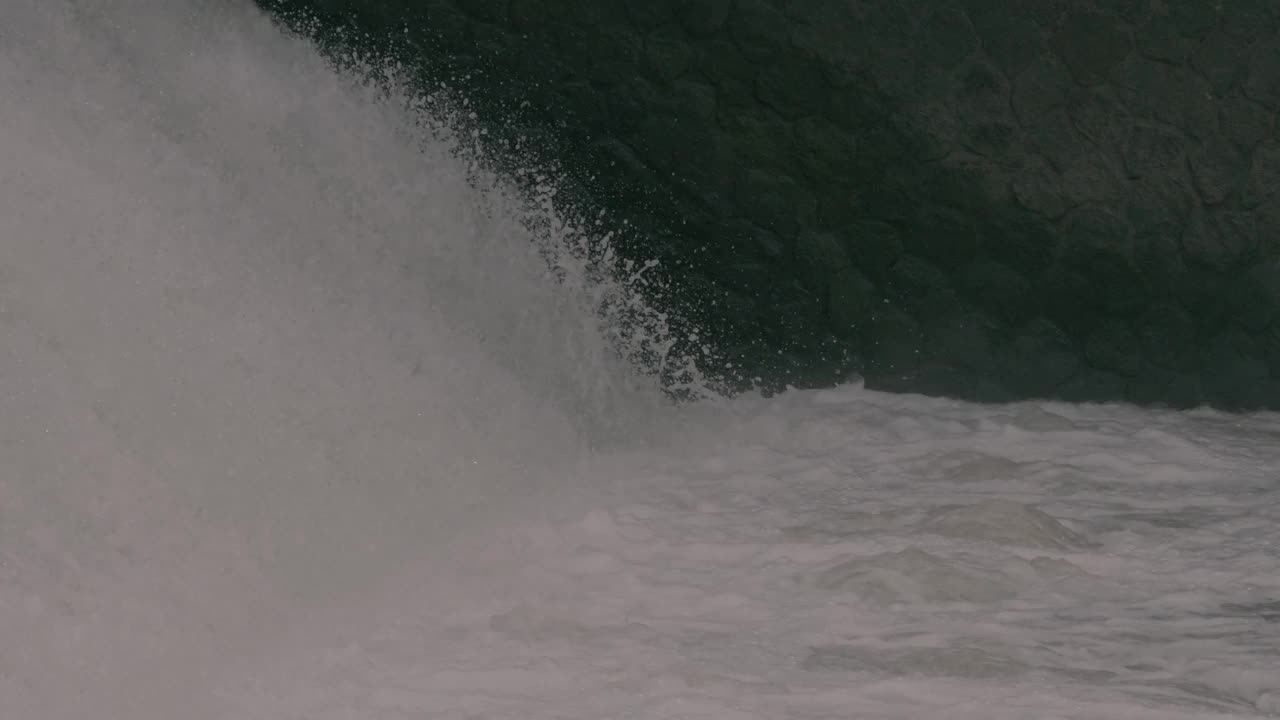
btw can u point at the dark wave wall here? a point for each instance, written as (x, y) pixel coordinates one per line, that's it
(989, 200)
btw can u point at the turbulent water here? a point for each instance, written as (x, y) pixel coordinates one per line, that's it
(296, 422)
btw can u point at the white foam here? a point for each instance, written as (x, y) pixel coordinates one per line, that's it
(909, 595)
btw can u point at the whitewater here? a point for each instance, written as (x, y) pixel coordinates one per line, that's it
(298, 422)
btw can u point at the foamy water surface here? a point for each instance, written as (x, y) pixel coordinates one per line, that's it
(848, 554)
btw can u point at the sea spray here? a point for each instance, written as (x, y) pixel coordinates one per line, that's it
(623, 298)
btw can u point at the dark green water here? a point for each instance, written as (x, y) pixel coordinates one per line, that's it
(956, 198)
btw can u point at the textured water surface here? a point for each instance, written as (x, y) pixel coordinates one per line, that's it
(847, 554)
